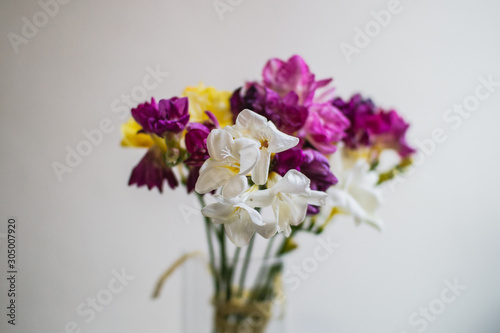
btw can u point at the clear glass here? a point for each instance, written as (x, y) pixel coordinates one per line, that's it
(256, 302)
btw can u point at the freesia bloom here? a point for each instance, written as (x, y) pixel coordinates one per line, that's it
(270, 139)
(203, 99)
(373, 127)
(240, 220)
(324, 127)
(230, 160)
(133, 137)
(284, 112)
(292, 75)
(152, 171)
(289, 196)
(169, 115)
(357, 194)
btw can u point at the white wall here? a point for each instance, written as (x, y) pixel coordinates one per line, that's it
(442, 222)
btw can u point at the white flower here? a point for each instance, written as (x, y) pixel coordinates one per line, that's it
(357, 193)
(240, 220)
(251, 125)
(230, 160)
(289, 197)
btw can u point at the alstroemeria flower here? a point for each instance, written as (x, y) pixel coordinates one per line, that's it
(270, 139)
(230, 160)
(203, 99)
(285, 113)
(133, 137)
(324, 127)
(240, 220)
(152, 171)
(357, 194)
(169, 115)
(292, 75)
(289, 197)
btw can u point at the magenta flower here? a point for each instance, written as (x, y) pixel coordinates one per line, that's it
(169, 115)
(292, 75)
(324, 127)
(196, 145)
(152, 171)
(285, 113)
(387, 131)
(373, 127)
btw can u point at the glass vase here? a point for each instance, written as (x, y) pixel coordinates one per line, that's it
(253, 300)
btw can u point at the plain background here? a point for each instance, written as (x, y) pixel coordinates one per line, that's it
(442, 222)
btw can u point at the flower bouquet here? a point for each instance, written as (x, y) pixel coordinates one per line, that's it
(275, 158)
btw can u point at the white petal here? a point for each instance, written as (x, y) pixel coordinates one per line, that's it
(248, 152)
(261, 170)
(218, 211)
(254, 215)
(267, 230)
(279, 141)
(251, 121)
(298, 210)
(234, 186)
(219, 143)
(294, 182)
(261, 198)
(212, 178)
(317, 198)
(240, 230)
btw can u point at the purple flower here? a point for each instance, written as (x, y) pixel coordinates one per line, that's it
(292, 75)
(152, 171)
(317, 168)
(357, 109)
(373, 127)
(284, 112)
(196, 144)
(324, 127)
(169, 115)
(387, 131)
(289, 159)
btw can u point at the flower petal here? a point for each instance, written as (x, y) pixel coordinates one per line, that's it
(279, 141)
(267, 230)
(234, 186)
(261, 170)
(219, 143)
(261, 198)
(241, 229)
(212, 178)
(218, 211)
(293, 182)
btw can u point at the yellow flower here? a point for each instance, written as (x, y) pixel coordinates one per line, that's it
(203, 99)
(133, 139)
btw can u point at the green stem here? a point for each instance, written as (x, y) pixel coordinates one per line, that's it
(262, 270)
(245, 266)
(232, 268)
(223, 259)
(208, 229)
